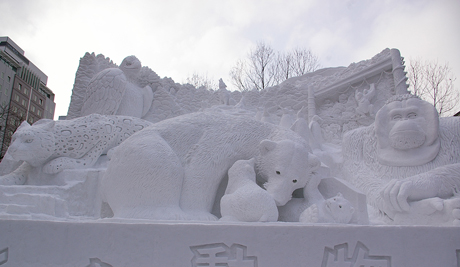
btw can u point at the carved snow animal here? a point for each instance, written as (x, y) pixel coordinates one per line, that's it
(364, 100)
(333, 210)
(244, 200)
(114, 91)
(172, 169)
(407, 155)
(69, 144)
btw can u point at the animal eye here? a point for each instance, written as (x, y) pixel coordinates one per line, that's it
(397, 117)
(29, 141)
(340, 206)
(278, 172)
(412, 115)
(294, 181)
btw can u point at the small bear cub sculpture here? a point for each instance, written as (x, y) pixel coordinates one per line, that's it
(333, 210)
(244, 200)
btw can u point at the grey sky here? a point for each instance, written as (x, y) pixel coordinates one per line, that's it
(177, 38)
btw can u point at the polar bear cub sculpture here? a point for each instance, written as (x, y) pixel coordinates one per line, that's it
(172, 169)
(244, 200)
(333, 210)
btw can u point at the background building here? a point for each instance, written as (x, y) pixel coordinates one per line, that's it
(23, 91)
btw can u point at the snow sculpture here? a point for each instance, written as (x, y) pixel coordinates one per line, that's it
(316, 140)
(333, 210)
(244, 200)
(172, 169)
(224, 95)
(113, 91)
(54, 146)
(364, 101)
(408, 155)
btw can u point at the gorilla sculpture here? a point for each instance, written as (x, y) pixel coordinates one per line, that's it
(408, 155)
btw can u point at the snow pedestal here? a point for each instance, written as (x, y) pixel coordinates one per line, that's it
(78, 196)
(138, 243)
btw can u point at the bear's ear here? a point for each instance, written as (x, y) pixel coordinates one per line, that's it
(352, 210)
(266, 146)
(23, 125)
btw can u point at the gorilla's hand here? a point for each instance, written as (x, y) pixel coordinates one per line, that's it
(398, 193)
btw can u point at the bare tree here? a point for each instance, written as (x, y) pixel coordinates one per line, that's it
(265, 67)
(199, 80)
(260, 62)
(434, 83)
(304, 61)
(238, 76)
(3, 111)
(13, 119)
(283, 67)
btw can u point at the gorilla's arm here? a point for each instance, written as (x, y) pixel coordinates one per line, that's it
(440, 182)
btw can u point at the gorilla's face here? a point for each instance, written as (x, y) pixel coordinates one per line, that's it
(407, 132)
(406, 128)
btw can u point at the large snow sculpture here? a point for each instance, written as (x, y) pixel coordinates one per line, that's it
(408, 155)
(54, 146)
(172, 169)
(113, 91)
(244, 200)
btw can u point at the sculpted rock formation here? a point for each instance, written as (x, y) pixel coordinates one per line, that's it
(172, 169)
(408, 155)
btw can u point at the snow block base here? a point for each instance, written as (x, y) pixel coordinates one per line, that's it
(139, 243)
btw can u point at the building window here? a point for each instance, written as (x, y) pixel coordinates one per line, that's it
(20, 86)
(31, 120)
(26, 91)
(12, 121)
(32, 108)
(15, 109)
(16, 97)
(40, 101)
(35, 98)
(3, 75)
(39, 112)
(9, 79)
(23, 102)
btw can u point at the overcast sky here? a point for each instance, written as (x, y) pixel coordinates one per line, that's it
(177, 38)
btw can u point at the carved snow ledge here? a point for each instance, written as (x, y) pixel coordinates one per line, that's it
(141, 243)
(383, 65)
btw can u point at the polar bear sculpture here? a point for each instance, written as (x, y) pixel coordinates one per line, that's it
(172, 169)
(70, 144)
(244, 200)
(333, 210)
